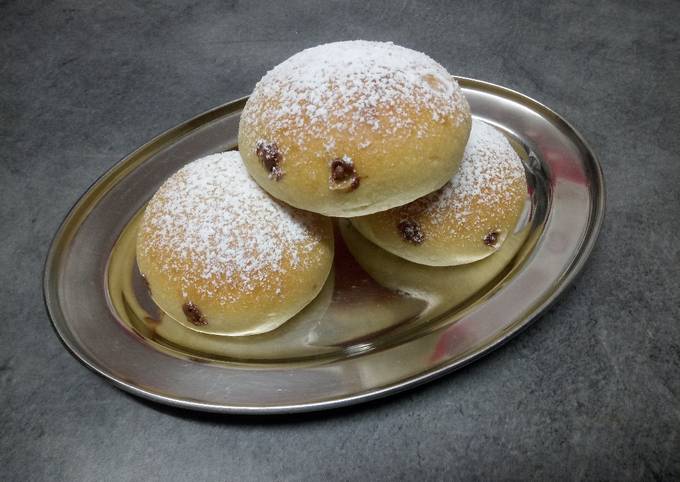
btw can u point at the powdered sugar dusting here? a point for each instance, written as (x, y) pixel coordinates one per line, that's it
(345, 86)
(216, 227)
(489, 170)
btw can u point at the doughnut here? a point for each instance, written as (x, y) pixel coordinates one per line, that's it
(352, 128)
(440, 287)
(221, 256)
(289, 341)
(468, 218)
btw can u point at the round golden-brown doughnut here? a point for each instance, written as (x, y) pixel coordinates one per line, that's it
(351, 128)
(441, 288)
(468, 218)
(221, 256)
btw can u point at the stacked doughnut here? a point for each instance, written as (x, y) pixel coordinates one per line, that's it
(221, 256)
(237, 244)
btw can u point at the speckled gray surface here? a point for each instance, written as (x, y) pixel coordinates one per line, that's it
(591, 391)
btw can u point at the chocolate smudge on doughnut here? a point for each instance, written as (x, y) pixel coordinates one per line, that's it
(343, 175)
(193, 314)
(270, 157)
(411, 231)
(491, 239)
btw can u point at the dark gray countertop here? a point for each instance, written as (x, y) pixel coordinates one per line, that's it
(590, 391)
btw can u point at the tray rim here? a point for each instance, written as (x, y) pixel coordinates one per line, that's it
(156, 144)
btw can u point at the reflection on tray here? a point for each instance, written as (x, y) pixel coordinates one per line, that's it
(371, 299)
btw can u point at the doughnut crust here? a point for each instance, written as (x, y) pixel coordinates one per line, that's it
(351, 128)
(221, 256)
(468, 218)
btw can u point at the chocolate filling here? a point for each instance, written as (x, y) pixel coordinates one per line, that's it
(270, 157)
(411, 231)
(193, 314)
(343, 175)
(491, 238)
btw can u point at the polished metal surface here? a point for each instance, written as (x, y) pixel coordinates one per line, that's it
(380, 325)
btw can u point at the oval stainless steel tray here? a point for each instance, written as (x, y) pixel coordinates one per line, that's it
(380, 325)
